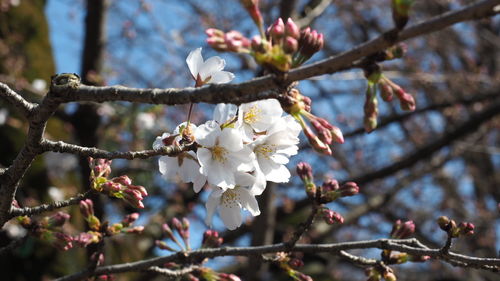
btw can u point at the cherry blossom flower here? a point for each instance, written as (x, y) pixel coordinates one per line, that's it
(209, 71)
(185, 165)
(273, 149)
(225, 112)
(258, 116)
(222, 153)
(229, 203)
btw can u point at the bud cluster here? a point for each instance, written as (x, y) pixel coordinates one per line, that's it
(98, 230)
(324, 134)
(118, 187)
(401, 230)
(290, 266)
(211, 239)
(182, 228)
(450, 226)
(282, 47)
(331, 217)
(387, 89)
(49, 229)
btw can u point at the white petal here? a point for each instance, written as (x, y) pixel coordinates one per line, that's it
(189, 170)
(211, 205)
(222, 77)
(211, 66)
(231, 216)
(207, 133)
(220, 176)
(279, 158)
(260, 182)
(168, 167)
(199, 182)
(194, 62)
(248, 201)
(183, 124)
(242, 160)
(158, 143)
(224, 112)
(280, 174)
(231, 140)
(205, 159)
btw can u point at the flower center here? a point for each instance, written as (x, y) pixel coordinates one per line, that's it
(219, 154)
(230, 198)
(265, 150)
(252, 115)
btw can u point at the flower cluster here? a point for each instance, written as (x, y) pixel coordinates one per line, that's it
(236, 152)
(119, 187)
(281, 47)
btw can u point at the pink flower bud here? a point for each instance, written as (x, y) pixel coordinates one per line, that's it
(86, 208)
(386, 91)
(124, 180)
(277, 30)
(162, 245)
(58, 219)
(290, 46)
(330, 185)
(211, 239)
(466, 228)
(296, 263)
(349, 189)
(141, 189)
(130, 219)
(331, 217)
(291, 29)
(304, 170)
(316, 143)
(402, 230)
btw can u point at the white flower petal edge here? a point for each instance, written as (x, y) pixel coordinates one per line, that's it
(209, 71)
(224, 112)
(258, 116)
(229, 204)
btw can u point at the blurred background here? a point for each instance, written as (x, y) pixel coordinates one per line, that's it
(442, 159)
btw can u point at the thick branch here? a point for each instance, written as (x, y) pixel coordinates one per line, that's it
(24, 106)
(259, 88)
(93, 152)
(410, 246)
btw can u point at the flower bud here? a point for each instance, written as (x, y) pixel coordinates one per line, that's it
(331, 217)
(277, 30)
(211, 239)
(371, 110)
(400, 12)
(124, 180)
(86, 238)
(236, 42)
(296, 263)
(402, 230)
(162, 245)
(136, 229)
(466, 228)
(227, 277)
(395, 52)
(130, 219)
(304, 170)
(406, 101)
(386, 92)
(58, 219)
(315, 142)
(291, 29)
(290, 46)
(86, 208)
(252, 7)
(349, 189)
(445, 223)
(330, 185)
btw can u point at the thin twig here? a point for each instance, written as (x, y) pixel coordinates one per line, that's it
(62, 147)
(29, 211)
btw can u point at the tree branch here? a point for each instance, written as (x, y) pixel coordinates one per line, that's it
(24, 106)
(174, 273)
(259, 88)
(62, 147)
(410, 246)
(29, 211)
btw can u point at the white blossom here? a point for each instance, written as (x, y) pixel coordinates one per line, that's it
(209, 71)
(229, 203)
(273, 149)
(221, 153)
(258, 116)
(185, 165)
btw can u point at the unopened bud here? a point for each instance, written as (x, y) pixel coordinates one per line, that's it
(291, 29)
(402, 230)
(445, 223)
(162, 245)
(386, 92)
(130, 219)
(124, 180)
(211, 239)
(277, 30)
(400, 12)
(330, 185)
(58, 219)
(331, 217)
(86, 208)
(296, 263)
(290, 45)
(349, 189)
(304, 170)
(466, 228)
